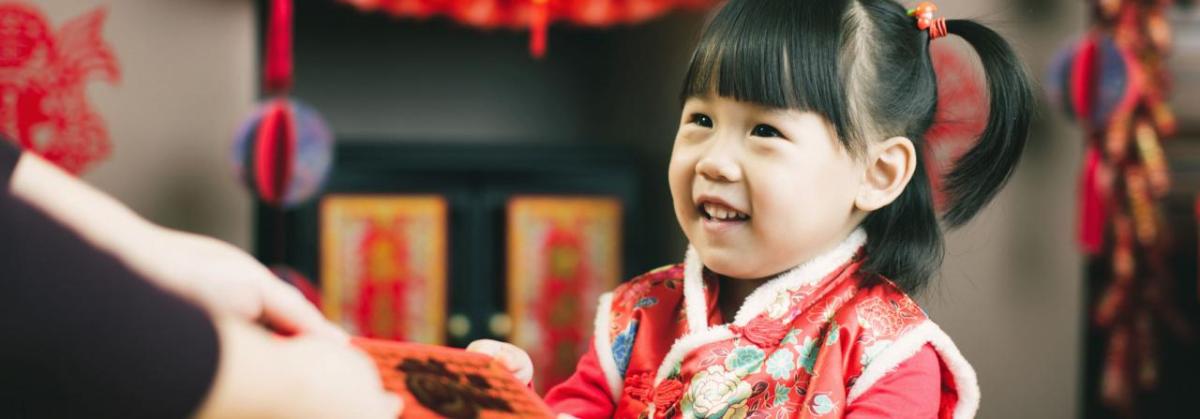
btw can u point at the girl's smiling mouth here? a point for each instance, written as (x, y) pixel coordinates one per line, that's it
(717, 210)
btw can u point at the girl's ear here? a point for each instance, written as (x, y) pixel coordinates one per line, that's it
(890, 164)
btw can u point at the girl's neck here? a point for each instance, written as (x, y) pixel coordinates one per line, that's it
(733, 293)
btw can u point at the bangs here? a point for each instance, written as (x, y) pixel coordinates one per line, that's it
(777, 54)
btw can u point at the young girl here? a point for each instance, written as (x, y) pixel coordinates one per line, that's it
(796, 176)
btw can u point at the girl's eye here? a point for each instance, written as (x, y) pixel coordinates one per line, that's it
(701, 120)
(766, 131)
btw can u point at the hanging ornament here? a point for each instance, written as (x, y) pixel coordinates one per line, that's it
(284, 152)
(277, 74)
(1114, 83)
(534, 15)
(539, 23)
(43, 79)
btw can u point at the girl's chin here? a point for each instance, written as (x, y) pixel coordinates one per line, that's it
(728, 262)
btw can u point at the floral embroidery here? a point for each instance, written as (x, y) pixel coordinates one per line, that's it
(622, 345)
(647, 302)
(780, 364)
(744, 360)
(716, 394)
(886, 318)
(791, 338)
(781, 394)
(779, 307)
(713, 357)
(625, 299)
(808, 354)
(758, 397)
(821, 405)
(831, 337)
(823, 312)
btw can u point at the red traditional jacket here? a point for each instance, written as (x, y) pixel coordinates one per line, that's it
(805, 344)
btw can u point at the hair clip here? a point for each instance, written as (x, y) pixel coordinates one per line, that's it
(925, 20)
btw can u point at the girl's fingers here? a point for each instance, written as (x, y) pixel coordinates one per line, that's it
(509, 355)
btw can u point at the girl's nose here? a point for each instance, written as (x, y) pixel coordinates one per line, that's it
(719, 163)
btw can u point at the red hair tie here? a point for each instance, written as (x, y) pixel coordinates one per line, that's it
(926, 21)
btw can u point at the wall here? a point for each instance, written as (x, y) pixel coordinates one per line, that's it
(187, 80)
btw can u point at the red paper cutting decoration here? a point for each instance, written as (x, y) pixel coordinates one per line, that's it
(382, 298)
(43, 75)
(559, 310)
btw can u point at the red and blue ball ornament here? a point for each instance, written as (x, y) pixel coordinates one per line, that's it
(283, 152)
(1096, 81)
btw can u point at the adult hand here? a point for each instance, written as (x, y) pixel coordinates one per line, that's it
(209, 272)
(302, 377)
(222, 278)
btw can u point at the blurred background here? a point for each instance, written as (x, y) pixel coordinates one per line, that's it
(477, 191)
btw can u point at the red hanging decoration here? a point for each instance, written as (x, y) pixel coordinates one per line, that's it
(539, 23)
(284, 150)
(1114, 82)
(535, 15)
(274, 147)
(277, 75)
(43, 79)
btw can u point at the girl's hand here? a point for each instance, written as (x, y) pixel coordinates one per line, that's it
(512, 357)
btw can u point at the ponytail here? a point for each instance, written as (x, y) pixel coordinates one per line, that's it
(984, 169)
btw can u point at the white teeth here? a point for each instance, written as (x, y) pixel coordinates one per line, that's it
(722, 213)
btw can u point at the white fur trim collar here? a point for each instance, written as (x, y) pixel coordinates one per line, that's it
(696, 304)
(604, 352)
(807, 273)
(966, 383)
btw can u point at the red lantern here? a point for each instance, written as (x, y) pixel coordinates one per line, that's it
(536, 15)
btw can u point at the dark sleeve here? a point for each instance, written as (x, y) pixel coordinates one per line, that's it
(9, 154)
(85, 337)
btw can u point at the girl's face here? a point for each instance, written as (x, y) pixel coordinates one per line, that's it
(758, 190)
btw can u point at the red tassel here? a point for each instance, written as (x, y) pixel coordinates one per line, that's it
(278, 71)
(273, 149)
(1093, 208)
(539, 25)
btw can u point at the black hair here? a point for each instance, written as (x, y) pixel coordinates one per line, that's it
(865, 66)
